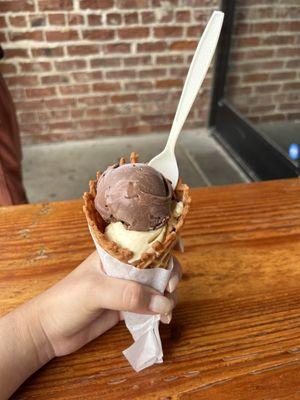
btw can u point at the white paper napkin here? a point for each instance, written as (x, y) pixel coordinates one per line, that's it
(146, 349)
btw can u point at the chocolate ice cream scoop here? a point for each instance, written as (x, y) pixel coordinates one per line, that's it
(135, 194)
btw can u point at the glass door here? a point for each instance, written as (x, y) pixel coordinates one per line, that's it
(255, 109)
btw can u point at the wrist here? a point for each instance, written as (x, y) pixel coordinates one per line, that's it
(28, 317)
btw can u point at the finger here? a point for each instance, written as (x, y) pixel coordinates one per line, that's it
(175, 277)
(166, 319)
(125, 295)
(179, 245)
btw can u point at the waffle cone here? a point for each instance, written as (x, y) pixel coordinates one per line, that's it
(161, 254)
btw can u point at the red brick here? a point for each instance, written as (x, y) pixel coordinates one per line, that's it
(6, 68)
(148, 17)
(288, 52)
(105, 62)
(121, 74)
(168, 83)
(134, 61)
(131, 18)
(106, 86)
(267, 88)
(289, 106)
(133, 33)
(34, 36)
(167, 31)
(30, 105)
(62, 126)
(61, 36)
(173, 59)
(14, 53)
(293, 64)
(184, 45)
(153, 96)
(35, 67)
(291, 86)
(124, 98)
(59, 103)
(23, 81)
(248, 41)
(265, 27)
(32, 128)
(118, 48)
(74, 89)
(48, 52)
(293, 26)
(56, 19)
(152, 46)
(283, 76)
(53, 79)
(2, 22)
(277, 39)
(133, 4)
(167, 16)
(178, 72)
(86, 77)
(18, 21)
(113, 19)
(263, 109)
(96, 4)
(40, 92)
(75, 19)
(76, 113)
(99, 34)
(27, 117)
(37, 20)
(259, 77)
(272, 117)
(16, 6)
(95, 19)
(195, 31)
(93, 100)
(55, 5)
(18, 94)
(70, 65)
(153, 73)
(250, 55)
(137, 85)
(82, 50)
(241, 28)
(2, 37)
(183, 16)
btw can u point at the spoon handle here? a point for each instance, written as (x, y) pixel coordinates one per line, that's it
(198, 69)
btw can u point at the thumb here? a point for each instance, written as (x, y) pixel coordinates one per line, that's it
(125, 295)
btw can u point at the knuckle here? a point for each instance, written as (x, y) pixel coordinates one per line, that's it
(132, 295)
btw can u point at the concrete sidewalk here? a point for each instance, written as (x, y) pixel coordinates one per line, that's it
(61, 171)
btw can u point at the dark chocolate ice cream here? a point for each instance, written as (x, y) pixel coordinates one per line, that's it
(135, 194)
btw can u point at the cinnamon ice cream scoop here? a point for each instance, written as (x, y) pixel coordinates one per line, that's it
(136, 195)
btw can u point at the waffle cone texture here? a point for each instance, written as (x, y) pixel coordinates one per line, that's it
(161, 254)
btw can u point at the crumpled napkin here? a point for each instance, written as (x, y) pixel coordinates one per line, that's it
(147, 348)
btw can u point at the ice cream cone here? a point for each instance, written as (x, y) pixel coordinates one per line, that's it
(160, 256)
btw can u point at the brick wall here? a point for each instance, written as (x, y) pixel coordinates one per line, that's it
(264, 74)
(83, 68)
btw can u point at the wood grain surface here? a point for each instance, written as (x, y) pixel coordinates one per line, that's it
(235, 333)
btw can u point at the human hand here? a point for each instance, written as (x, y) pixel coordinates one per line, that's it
(86, 303)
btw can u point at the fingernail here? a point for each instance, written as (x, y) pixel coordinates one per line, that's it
(160, 305)
(173, 282)
(166, 319)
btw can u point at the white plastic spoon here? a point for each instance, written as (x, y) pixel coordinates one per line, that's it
(165, 162)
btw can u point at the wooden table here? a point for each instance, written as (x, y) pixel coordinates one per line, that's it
(236, 331)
